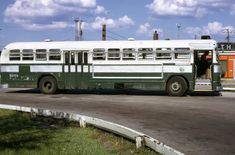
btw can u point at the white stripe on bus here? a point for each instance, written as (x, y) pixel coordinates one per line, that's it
(107, 69)
(46, 68)
(11, 69)
(142, 69)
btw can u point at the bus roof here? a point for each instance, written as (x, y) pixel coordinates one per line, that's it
(87, 45)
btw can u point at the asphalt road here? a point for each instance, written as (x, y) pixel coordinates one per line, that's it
(194, 125)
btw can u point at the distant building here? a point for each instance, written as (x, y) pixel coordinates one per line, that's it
(227, 59)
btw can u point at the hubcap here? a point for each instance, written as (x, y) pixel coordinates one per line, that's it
(48, 85)
(175, 86)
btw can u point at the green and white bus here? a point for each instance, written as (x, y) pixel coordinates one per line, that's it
(163, 65)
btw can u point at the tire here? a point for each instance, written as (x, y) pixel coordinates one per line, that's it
(176, 86)
(48, 85)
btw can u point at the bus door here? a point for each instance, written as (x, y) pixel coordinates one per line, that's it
(83, 68)
(71, 78)
(203, 70)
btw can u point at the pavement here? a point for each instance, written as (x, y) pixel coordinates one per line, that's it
(227, 84)
(200, 124)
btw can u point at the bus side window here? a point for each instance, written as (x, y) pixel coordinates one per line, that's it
(54, 54)
(113, 54)
(129, 54)
(99, 54)
(163, 54)
(182, 53)
(179, 55)
(145, 54)
(27, 54)
(41, 55)
(14, 55)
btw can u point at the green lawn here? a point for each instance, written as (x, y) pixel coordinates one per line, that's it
(22, 134)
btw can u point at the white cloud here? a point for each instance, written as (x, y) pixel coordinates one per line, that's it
(212, 28)
(100, 10)
(124, 21)
(193, 30)
(43, 8)
(48, 14)
(26, 8)
(232, 12)
(147, 29)
(172, 7)
(144, 28)
(192, 8)
(52, 25)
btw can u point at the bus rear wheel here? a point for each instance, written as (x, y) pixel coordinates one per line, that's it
(48, 85)
(176, 86)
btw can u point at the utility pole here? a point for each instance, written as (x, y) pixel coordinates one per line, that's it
(178, 30)
(104, 32)
(78, 29)
(228, 33)
(155, 35)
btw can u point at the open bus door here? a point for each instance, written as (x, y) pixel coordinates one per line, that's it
(203, 70)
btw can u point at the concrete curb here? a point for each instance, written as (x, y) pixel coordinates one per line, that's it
(140, 138)
(228, 89)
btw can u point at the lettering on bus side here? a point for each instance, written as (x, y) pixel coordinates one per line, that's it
(13, 76)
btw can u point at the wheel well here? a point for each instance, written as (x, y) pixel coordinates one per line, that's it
(44, 75)
(178, 76)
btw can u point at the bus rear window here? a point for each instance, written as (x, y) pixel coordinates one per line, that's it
(14, 55)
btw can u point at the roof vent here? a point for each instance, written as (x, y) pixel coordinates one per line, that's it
(48, 40)
(205, 37)
(131, 39)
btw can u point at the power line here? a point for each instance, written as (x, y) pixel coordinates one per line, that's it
(111, 37)
(118, 35)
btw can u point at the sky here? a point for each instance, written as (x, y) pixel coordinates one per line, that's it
(37, 20)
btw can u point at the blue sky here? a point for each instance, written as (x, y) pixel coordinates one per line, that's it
(37, 20)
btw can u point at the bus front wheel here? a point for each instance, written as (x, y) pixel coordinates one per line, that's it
(48, 85)
(176, 86)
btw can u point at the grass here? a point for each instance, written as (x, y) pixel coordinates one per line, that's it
(22, 134)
